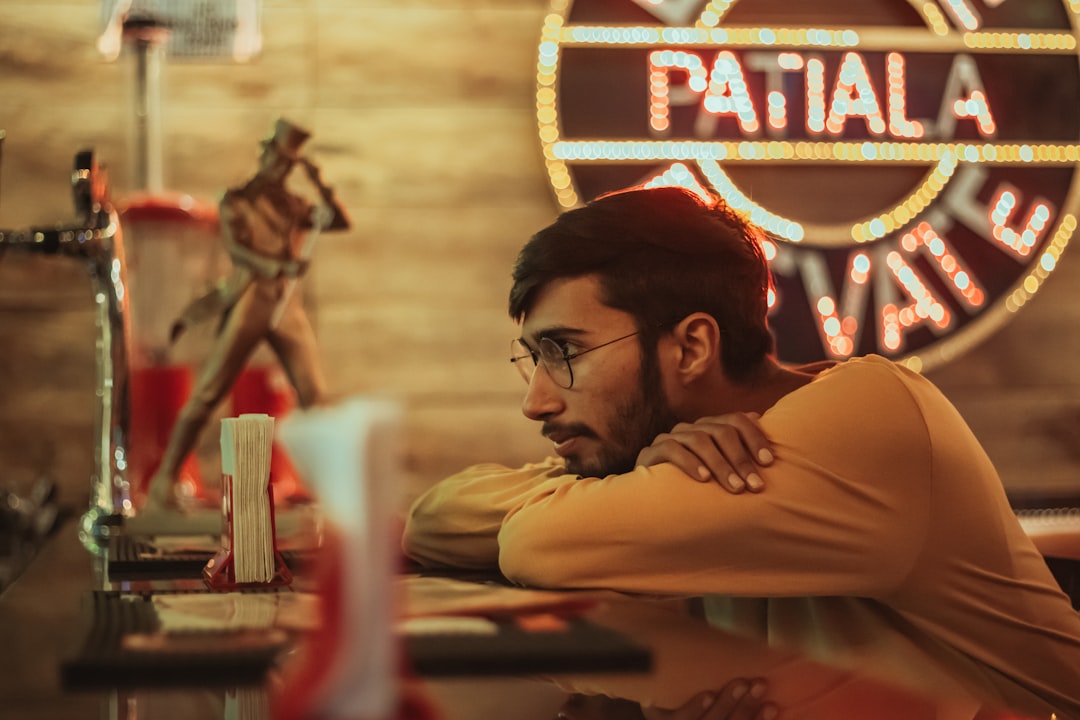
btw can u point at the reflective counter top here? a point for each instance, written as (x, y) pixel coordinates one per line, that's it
(663, 657)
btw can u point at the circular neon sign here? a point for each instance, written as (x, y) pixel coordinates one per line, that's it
(916, 170)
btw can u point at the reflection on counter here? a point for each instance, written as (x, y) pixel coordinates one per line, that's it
(687, 658)
(607, 655)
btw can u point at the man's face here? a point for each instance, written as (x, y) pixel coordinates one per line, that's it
(616, 405)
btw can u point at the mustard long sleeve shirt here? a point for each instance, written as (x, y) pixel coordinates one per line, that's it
(883, 532)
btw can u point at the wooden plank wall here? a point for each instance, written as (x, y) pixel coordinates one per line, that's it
(422, 112)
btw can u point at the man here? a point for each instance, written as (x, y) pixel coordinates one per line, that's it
(266, 229)
(883, 531)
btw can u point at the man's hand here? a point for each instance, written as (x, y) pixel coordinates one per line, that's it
(724, 448)
(740, 699)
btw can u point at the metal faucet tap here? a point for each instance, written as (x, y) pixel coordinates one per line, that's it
(95, 238)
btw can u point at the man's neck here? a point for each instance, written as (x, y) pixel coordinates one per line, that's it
(761, 391)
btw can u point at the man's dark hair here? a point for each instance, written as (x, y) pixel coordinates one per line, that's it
(660, 254)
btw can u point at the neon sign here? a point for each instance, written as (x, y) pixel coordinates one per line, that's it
(916, 173)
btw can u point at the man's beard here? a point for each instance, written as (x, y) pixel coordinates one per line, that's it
(635, 423)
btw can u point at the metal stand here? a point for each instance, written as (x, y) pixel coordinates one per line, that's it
(95, 238)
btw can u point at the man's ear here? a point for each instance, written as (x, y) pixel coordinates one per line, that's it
(696, 343)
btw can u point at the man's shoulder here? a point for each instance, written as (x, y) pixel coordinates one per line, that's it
(873, 369)
(866, 363)
(861, 389)
(865, 418)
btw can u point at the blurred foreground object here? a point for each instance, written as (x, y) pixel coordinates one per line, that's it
(351, 455)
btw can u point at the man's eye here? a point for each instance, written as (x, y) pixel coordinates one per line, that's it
(566, 349)
(555, 350)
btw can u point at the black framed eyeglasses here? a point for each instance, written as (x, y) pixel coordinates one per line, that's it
(555, 358)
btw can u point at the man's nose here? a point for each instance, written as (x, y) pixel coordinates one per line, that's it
(543, 399)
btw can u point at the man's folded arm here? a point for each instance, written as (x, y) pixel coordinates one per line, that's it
(656, 530)
(839, 516)
(836, 518)
(456, 522)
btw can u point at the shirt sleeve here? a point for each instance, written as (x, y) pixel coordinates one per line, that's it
(844, 510)
(457, 521)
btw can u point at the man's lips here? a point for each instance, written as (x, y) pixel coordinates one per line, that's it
(566, 447)
(565, 439)
(560, 437)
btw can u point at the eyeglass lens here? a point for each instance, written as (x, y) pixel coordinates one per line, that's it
(549, 353)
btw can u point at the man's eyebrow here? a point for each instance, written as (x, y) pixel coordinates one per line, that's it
(556, 332)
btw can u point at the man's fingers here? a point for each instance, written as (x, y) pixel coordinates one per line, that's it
(732, 445)
(726, 448)
(721, 449)
(742, 700)
(698, 707)
(670, 450)
(747, 426)
(739, 699)
(726, 461)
